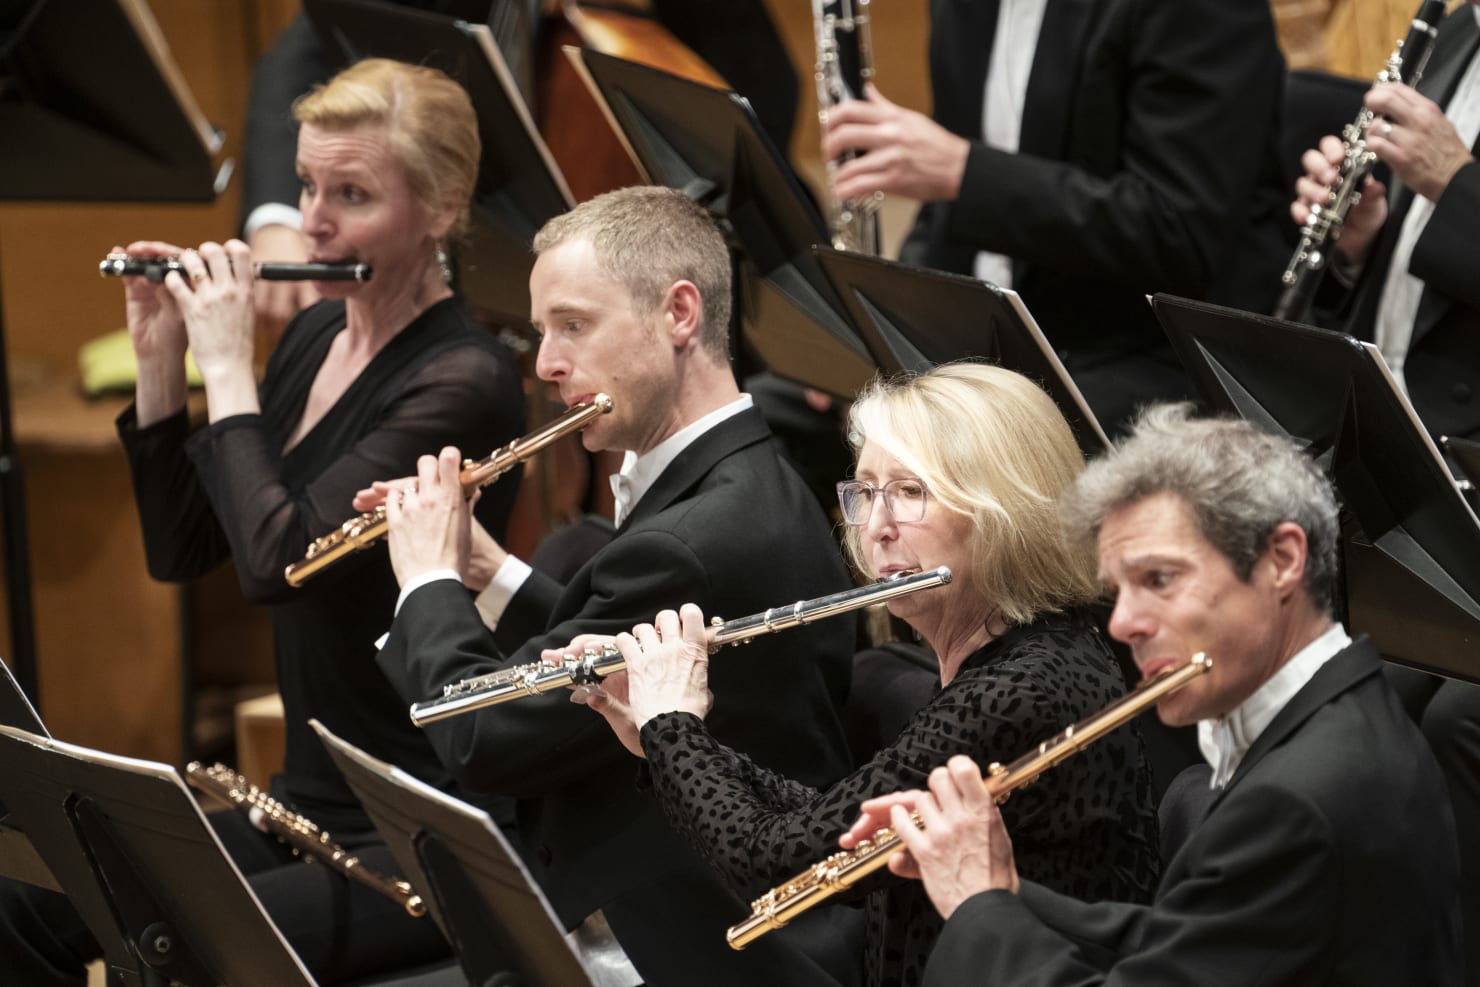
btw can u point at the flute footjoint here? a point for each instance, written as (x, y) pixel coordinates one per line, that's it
(365, 530)
(846, 868)
(537, 677)
(301, 834)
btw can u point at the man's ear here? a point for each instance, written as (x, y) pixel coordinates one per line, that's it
(1285, 554)
(684, 312)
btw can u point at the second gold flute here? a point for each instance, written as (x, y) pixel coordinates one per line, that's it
(536, 677)
(365, 530)
(306, 839)
(846, 868)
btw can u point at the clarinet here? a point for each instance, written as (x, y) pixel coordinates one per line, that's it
(1323, 226)
(844, 869)
(272, 817)
(537, 677)
(155, 269)
(369, 527)
(845, 61)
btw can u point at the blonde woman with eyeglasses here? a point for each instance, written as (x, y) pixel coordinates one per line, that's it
(961, 466)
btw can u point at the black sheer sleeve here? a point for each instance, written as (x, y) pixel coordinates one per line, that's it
(237, 498)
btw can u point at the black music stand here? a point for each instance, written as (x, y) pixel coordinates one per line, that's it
(72, 133)
(708, 143)
(1411, 544)
(519, 186)
(476, 888)
(18, 857)
(912, 319)
(131, 849)
(1465, 453)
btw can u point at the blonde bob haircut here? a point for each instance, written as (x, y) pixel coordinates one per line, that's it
(990, 444)
(428, 120)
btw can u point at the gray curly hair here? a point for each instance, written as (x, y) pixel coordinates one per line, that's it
(1239, 482)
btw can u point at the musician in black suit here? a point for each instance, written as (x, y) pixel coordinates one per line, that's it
(1327, 855)
(1414, 249)
(1085, 153)
(1412, 259)
(631, 295)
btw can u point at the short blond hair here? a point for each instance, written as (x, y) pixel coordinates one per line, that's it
(989, 444)
(646, 239)
(428, 120)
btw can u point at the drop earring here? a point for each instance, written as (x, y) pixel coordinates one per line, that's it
(444, 265)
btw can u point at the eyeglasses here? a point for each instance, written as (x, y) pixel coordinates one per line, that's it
(904, 499)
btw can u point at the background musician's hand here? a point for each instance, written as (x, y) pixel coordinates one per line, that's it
(1363, 222)
(964, 848)
(429, 523)
(668, 665)
(1416, 139)
(277, 302)
(907, 153)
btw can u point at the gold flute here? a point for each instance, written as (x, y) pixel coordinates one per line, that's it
(846, 868)
(536, 677)
(365, 530)
(272, 817)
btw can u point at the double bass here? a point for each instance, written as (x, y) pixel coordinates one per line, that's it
(583, 143)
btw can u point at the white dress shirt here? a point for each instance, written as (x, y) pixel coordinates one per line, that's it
(1225, 740)
(637, 475)
(1013, 48)
(1397, 309)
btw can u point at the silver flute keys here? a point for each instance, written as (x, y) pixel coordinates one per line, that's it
(536, 677)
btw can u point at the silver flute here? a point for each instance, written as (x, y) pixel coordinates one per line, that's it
(155, 269)
(537, 677)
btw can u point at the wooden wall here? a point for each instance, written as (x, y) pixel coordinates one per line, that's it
(109, 639)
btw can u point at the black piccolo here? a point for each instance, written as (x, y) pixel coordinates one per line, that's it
(536, 677)
(155, 269)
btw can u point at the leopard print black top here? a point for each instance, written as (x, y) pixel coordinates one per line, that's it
(1086, 828)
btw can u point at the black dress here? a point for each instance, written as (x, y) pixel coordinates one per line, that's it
(228, 490)
(1086, 828)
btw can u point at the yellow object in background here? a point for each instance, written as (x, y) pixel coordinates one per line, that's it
(108, 366)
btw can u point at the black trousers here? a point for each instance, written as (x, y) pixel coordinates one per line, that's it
(340, 929)
(1448, 713)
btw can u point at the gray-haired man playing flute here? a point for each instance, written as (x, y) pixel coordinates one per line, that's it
(1326, 852)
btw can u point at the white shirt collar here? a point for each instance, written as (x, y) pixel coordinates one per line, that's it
(639, 473)
(1225, 740)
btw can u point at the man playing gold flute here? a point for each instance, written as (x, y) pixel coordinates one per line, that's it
(1325, 851)
(960, 466)
(631, 296)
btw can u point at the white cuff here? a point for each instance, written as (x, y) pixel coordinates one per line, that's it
(272, 214)
(494, 599)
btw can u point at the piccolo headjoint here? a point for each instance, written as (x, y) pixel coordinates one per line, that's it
(156, 268)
